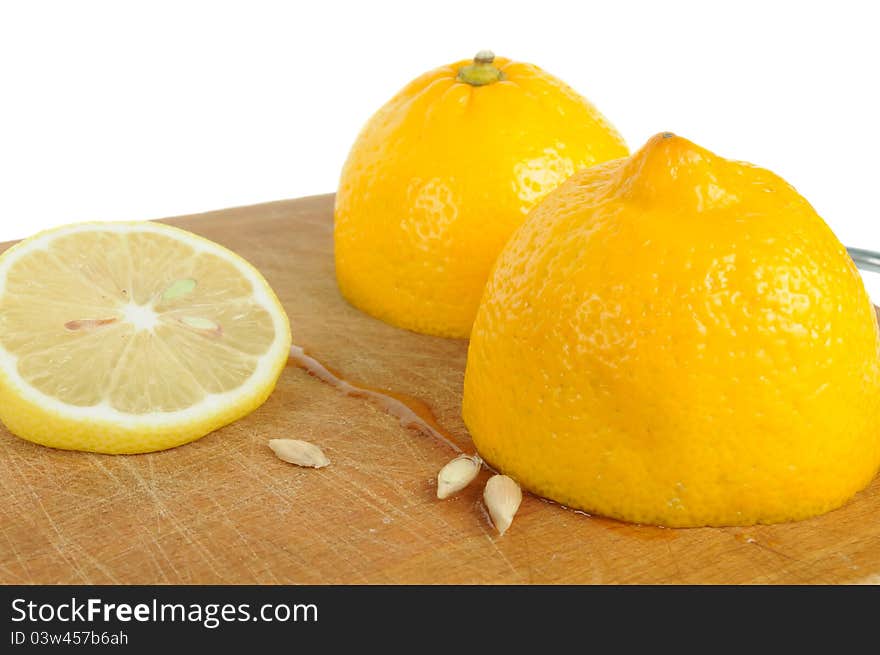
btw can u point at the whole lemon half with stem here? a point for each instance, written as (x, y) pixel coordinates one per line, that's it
(440, 177)
(678, 339)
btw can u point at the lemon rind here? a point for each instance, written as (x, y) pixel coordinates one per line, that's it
(103, 418)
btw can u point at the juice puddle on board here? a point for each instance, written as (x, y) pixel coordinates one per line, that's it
(411, 412)
(417, 414)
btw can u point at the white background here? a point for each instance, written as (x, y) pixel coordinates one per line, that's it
(134, 110)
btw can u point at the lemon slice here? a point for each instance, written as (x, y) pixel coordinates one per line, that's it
(132, 337)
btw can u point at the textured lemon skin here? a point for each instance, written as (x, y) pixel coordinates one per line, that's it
(677, 339)
(37, 423)
(439, 178)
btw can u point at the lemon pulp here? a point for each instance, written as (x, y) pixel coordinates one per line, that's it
(132, 337)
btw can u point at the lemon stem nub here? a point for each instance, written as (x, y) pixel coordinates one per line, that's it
(483, 71)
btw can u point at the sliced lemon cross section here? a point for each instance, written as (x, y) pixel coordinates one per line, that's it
(132, 337)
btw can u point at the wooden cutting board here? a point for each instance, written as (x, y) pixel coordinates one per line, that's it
(225, 510)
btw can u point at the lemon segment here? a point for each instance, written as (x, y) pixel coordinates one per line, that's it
(132, 337)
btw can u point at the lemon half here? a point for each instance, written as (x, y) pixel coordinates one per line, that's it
(677, 339)
(132, 337)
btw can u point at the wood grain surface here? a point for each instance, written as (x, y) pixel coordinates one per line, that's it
(225, 510)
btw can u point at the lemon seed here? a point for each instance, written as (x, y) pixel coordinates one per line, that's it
(178, 288)
(301, 453)
(457, 474)
(87, 323)
(502, 496)
(199, 323)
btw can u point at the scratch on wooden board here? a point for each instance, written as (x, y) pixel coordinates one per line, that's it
(180, 527)
(157, 566)
(268, 479)
(223, 512)
(763, 546)
(332, 543)
(382, 506)
(55, 545)
(62, 545)
(527, 547)
(153, 486)
(7, 483)
(97, 462)
(156, 543)
(490, 533)
(19, 559)
(22, 464)
(598, 566)
(679, 576)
